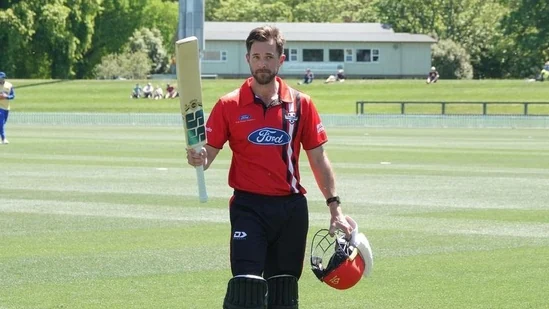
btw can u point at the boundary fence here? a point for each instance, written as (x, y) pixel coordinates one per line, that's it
(360, 105)
(329, 120)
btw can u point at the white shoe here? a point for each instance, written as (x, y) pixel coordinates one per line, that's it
(5, 141)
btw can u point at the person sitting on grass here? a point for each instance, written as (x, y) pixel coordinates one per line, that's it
(308, 77)
(148, 91)
(544, 74)
(158, 93)
(171, 92)
(339, 77)
(137, 92)
(433, 76)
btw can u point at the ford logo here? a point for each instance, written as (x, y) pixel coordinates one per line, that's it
(269, 136)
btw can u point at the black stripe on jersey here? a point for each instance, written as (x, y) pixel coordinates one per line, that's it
(285, 129)
(294, 135)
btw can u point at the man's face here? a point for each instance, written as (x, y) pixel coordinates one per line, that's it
(264, 61)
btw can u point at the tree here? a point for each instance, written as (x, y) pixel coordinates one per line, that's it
(150, 42)
(527, 27)
(252, 10)
(46, 38)
(414, 16)
(292, 10)
(65, 31)
(335, 11)
(17, 24)
(210, 7)
(164, 16)
(113, 26)
(474, 24)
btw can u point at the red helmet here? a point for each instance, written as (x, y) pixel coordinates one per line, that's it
(349, 259)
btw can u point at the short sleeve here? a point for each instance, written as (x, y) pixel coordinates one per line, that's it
(314, 134)
(217, 131)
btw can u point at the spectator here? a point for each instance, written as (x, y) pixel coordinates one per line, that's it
(148, 91)
(137, 92)
(173, 66)
(308, 77)
(544, 74)
(6, 95)
(339, 77)
(433, 76)
(158, 93)
(171, 92)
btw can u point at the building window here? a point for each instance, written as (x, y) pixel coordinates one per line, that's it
(348, 55)
(214, 55)
(291, 54)
(335, 55)
(313, 55)
(367, 55)
(375, 55)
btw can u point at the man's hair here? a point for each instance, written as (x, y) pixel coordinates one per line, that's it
(265, 34)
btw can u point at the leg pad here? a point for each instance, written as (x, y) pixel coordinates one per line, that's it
(246, 292)
(283, 292)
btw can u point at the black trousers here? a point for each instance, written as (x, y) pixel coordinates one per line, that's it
(268, 234)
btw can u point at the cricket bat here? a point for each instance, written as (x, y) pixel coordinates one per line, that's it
(189, 83)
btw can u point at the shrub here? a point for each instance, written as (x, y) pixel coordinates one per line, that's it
(451, 60)
(127, 65)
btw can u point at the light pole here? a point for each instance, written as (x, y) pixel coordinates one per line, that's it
(191, 21)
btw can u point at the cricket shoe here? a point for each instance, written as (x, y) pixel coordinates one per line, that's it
(5, 141)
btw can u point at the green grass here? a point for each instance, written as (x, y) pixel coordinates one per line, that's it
(107, 217)
(510, 215)
(339, 98)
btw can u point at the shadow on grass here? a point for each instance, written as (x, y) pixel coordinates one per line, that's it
(42, 83)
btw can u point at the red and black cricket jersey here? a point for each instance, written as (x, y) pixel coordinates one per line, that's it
(265, 141)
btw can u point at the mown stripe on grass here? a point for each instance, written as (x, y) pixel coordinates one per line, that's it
(508, 215)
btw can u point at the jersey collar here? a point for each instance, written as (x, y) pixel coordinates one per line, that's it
(247, 96)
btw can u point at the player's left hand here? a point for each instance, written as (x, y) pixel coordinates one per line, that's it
(339, 222)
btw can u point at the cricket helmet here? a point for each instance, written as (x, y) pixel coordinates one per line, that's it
(348, 259)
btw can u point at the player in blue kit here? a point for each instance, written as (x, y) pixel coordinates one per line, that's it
(6, 95)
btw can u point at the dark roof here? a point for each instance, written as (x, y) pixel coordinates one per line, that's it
(317, 32)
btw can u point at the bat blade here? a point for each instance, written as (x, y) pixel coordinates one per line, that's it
(189, 83)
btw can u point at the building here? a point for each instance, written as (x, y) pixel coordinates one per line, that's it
(363, 50)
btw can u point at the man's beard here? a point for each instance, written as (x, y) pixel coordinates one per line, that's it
(264, 77)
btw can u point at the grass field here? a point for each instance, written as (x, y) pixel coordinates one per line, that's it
(107, 217)
(339, 98)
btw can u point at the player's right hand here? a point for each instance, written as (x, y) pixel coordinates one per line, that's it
(196, 158)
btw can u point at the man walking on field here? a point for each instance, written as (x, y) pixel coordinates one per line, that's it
(266, 123)
(6, 95)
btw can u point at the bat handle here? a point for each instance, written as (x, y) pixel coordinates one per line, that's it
(202, 194)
